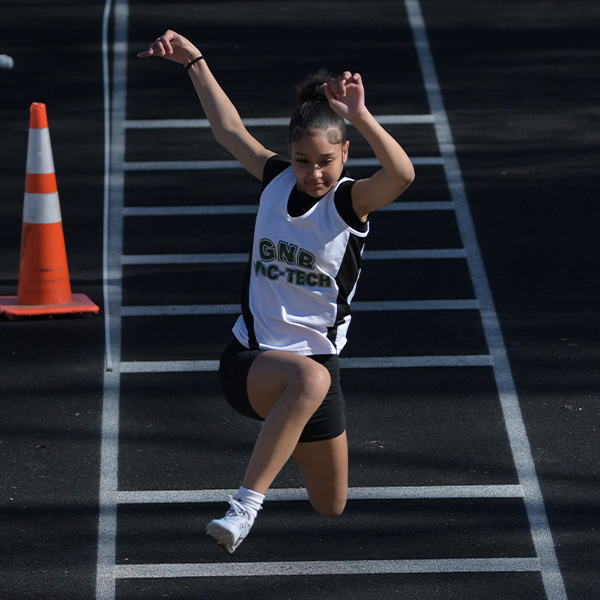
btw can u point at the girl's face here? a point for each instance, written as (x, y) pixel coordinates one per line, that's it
(317, 163)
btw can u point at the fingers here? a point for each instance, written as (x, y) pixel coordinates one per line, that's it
(338, 87)
(350, 78)
(356, 78)
(161, 46)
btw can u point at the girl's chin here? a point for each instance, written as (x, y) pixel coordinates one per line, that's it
(316, 190)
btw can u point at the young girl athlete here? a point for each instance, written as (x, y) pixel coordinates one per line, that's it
(282, 364)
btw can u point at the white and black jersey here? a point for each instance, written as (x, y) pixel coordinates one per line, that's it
(303, 269)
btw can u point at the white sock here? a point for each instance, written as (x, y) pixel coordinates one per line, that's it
(251, 501)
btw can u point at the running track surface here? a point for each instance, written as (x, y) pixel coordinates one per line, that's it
(519, 92)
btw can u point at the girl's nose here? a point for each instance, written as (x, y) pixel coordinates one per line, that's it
(316, 171)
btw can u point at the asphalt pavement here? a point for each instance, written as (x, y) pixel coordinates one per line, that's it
(472, 470)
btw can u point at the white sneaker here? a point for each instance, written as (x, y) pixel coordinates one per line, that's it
(230, 531)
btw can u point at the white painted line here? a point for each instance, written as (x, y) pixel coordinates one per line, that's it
(251, 209)
(417, 206)
(210, 165)
(367, 362)
(190, 259)
(417, 161)
(168, 211)
(392, 305)
(262, 122)
(230, 309)
(519, 443)
(410, 362)
(109, 441)
(414, 254)
(433, 492)
(183, 259)
(436, 492)
(176, 366)
(106, 182)
(180, 310)
(333, 567)
(184, 165)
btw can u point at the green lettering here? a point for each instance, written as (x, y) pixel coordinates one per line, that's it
(259, 268)
(273, 272)
(306, 260)
(266, 249)
(324, 280)
(312, 279)
(287, 252)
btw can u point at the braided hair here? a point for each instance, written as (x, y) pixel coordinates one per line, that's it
(313, 112)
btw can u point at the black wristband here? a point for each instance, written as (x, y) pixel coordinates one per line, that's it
(197, 59)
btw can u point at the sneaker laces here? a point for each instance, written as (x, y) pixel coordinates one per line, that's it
(238, 514)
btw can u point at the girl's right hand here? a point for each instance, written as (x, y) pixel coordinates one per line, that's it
(172, 46)
(346, 95)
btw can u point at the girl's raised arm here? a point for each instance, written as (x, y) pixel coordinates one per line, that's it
(347, 98)
(225, 122)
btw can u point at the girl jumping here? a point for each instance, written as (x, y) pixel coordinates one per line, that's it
(281, 366)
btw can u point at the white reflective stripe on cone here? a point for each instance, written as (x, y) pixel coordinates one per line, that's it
(41, 209)
(39, 152)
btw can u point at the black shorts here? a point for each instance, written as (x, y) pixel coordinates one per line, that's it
(328, 421)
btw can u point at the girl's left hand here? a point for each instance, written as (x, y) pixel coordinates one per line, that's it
(346, 96)
(172, 46)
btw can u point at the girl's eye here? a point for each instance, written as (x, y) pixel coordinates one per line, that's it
(303, 161)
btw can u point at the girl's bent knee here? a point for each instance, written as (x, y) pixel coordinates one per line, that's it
(316, 379)
(312, 381)
(331, 509)
(332, 512)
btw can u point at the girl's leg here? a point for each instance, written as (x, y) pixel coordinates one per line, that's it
(285, 389)
(324, 468)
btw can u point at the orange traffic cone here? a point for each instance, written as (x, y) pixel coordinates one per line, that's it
(44, 288)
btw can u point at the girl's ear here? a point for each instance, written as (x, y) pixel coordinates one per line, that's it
(345, 147)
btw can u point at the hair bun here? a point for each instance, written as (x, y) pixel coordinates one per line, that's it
(313, 112)
(311, 89)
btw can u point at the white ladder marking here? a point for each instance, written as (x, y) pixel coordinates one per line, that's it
(262, 122)
(299, 494)
(230, 309)
(366, 362)
(333, 567)
(214, 165)
(187, 259)
(528, 488)
(252, 209)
